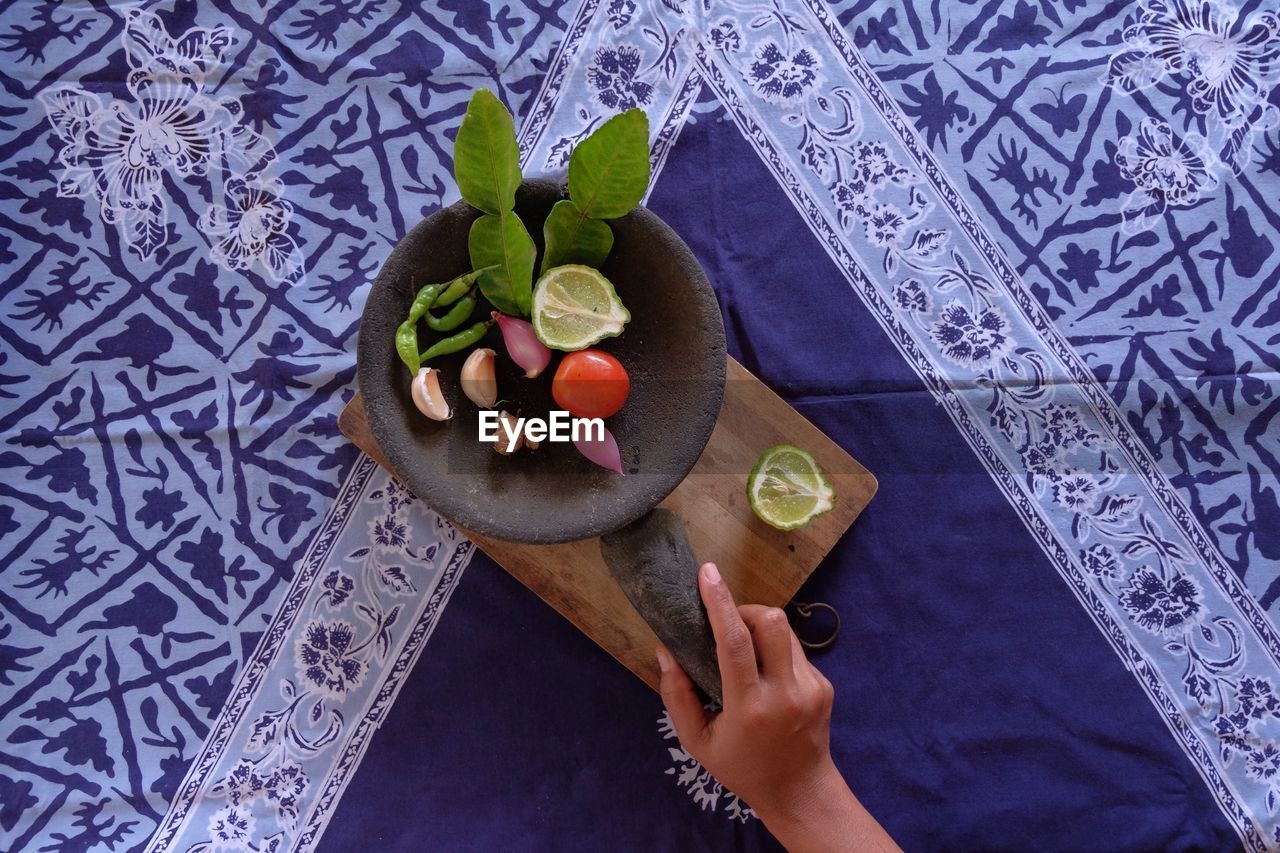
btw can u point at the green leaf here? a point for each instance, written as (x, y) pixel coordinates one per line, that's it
(573, 238)
(503, 242)
(486, 157)
(609, 170)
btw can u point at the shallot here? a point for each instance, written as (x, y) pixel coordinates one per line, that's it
(603, 450)
(531, 354)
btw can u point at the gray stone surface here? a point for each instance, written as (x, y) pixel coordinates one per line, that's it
(653, 563)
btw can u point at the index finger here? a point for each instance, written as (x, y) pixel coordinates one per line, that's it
(734, 649)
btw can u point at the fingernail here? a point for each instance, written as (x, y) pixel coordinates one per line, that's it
(664, 660)
(711, 573)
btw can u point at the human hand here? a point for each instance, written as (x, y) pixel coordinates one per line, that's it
(770, 745)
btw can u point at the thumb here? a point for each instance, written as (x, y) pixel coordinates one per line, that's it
(681, 701)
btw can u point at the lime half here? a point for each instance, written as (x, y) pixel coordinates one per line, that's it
(575, 306)
(787, 489)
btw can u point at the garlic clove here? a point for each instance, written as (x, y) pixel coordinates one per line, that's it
(478, 379)
(427, 395)
(506, 426)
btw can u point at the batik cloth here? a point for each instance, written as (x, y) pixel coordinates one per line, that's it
(1017, 256)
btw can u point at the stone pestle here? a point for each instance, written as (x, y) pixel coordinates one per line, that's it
(653, 563)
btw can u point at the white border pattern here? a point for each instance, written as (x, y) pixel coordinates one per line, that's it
(325, 764)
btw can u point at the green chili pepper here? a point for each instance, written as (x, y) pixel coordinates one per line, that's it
(427, 296)
(407, 333)
(407, 345)
(432, 295)
(469, 336)
(458, 288)
(463, 285)
(456, 316)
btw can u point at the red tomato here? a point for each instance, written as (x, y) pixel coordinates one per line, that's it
(590, 384)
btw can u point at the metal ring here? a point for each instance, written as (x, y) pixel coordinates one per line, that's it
(804, 610)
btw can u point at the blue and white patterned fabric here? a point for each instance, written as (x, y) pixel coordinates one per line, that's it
(1018, 256)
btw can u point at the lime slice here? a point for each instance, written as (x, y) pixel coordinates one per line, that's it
(787, 489)
(575, 306)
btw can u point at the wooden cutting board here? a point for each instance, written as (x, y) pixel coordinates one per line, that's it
(760, 564)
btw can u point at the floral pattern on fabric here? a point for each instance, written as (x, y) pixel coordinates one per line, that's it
(120, 153)
(1228, 64)
(266, 779)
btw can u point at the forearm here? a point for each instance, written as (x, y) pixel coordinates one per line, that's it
(824, 816)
